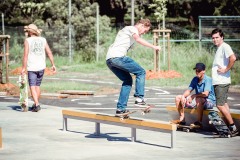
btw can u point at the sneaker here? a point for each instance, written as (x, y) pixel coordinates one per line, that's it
(234, 132)
(140, 102)
(36, 108)
(120, 113)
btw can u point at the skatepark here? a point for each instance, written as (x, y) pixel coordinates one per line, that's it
(31, 135)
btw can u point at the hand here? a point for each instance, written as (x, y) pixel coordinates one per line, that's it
(54, 69)
(157, 48)
(221, 70)
(23, 71)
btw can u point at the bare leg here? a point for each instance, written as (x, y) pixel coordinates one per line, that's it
(226, 113)
(179, 107)
(200, 102)
(35, 90)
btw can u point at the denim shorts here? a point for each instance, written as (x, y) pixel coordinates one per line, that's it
(35, 77)
(208, 105)
(221, 92)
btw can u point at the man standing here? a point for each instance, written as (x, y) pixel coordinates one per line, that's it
(34, 60)
(204, 96)
(123, 66)
(223, 61)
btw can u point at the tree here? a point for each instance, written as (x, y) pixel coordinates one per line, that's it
(160, 11)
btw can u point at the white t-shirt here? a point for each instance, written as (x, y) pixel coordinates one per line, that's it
(221, 59)
(123, 42)
(36, 56)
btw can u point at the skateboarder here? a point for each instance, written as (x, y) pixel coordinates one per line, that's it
(34, 60)
(123, 66)
(223, 62)
(204, 95)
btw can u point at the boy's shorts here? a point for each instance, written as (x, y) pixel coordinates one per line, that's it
(35, 77)
(221, 93)
(206, 105)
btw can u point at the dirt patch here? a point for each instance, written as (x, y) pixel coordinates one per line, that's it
(17, 71)
(162, 74)
(11, 89)
(106, 90)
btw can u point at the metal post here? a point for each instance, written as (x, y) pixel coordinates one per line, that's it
(97, 23)
(200, 34)
(97, 129)
(70, 30)
(133, 134)
(132, 12)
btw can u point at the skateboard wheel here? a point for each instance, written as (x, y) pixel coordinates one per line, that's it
(229, 136)
(187, 130)
(210, 122)
(143, 113)
(121, 119)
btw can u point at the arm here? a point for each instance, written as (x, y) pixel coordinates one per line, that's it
(143, 42)
(50, 56)
(203, 94)
(25, 57)
(232, 59)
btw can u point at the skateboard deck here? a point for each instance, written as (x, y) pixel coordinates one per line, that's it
(125, 115)
(144, 110)
(219, 124)
(23, 97)
(188, 128)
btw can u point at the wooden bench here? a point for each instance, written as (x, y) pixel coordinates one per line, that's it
(191, 116)
(0, 137)
(134, 124)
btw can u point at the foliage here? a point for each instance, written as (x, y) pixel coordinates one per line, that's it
(160, 10)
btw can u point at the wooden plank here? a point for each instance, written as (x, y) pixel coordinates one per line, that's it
(77, 92)
(54, 95)
(186, 110)
(111, 118)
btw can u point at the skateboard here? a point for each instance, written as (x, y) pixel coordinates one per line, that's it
(23, 98)
(144, 110)
(125, 115)
(187, 128)
(219, 124)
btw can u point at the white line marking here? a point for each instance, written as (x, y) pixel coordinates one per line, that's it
(82, 80)
(230, 98)
(236, 105)
(53, 78)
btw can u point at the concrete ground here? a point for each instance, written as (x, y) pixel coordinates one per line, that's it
(39, 136)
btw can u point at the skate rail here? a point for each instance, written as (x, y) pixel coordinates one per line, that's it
(98, 118)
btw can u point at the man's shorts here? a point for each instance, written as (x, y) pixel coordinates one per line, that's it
(35, 77)
(221, 93)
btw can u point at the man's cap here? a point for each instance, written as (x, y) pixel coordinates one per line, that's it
(200, 66)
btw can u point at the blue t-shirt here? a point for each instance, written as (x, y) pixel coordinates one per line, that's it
(204, 85)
